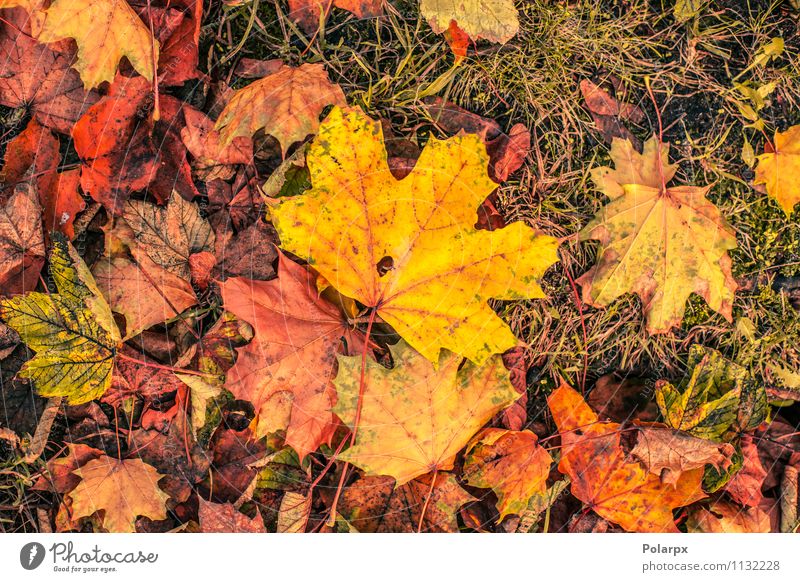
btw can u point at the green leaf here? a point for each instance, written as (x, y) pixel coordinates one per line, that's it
(717, 401)
(72, 332)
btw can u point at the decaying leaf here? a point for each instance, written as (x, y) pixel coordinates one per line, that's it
(121, 489)
(511, 463)
(170, 235)
(376, 505)
(72, 332)
(307, 13)
(142, 291)
(286, 371)
(616, 488)
(293, 513)
(745, 486)
(225, 518)
(22, 248)
(669, 453)
(35, 76)
(726, 517)
(105, 31)
(493, 20)
(661, 243)
(717, 401)
(408, 247)
(779, 169)
(415, 417)
(286, 105)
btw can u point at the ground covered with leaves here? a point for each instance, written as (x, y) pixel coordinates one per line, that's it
(399, 265)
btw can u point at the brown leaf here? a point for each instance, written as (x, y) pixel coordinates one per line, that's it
(132, 379)
(286, 371)
(212, 160)
(745, 486)
(144, 292)
(669, 453)
(726, 517)
(22, 250)
(623, 399)
(375, 505)
(286, 105)
(122, 490)
(225, 518)
(233, 453)
(39, 76)
(616, 488)
(249, 253)
(307, 13)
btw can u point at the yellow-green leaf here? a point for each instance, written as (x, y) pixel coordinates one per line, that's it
(493, 20)
(717, 401)
(414, 417)
(72, 332)
(661, 243)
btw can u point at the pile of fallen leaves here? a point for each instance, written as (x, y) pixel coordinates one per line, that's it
(260, 314)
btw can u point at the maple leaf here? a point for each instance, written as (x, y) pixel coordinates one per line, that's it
(105, 31)
(510, 463)
(661, 243)
(212, 159)
(121, 489)
(72, 332)
(225, 518)
(493, 20)
(717, 401)
(376, 505)
(669, 453)
(142, 291)
(307, 13)
(286, 371)
(614, 487)
(726, 517)
(108, 137)
(34, 76)
(286, 105)
(22, 250)
(416, 417)
(408, 247)
(169, 235)
(779, 169)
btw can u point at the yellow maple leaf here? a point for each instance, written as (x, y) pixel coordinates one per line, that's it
(409, 247)
(661, 243)
(286, 105)
(72, 332)
(493, 20)
(122, 489)
(615, 487)
(779, 169)
(105, 31)
(415, 418)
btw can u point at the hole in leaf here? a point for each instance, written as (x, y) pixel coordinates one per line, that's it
(385, 265)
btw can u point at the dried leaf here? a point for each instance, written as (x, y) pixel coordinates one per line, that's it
(121, 489)
(778, 169)
(511, 463)
(493, 20)
(225, 518)
(616, 488)
(417, 416)
(105, 31)
(661, 243)
(286, 105)
(725, 517)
